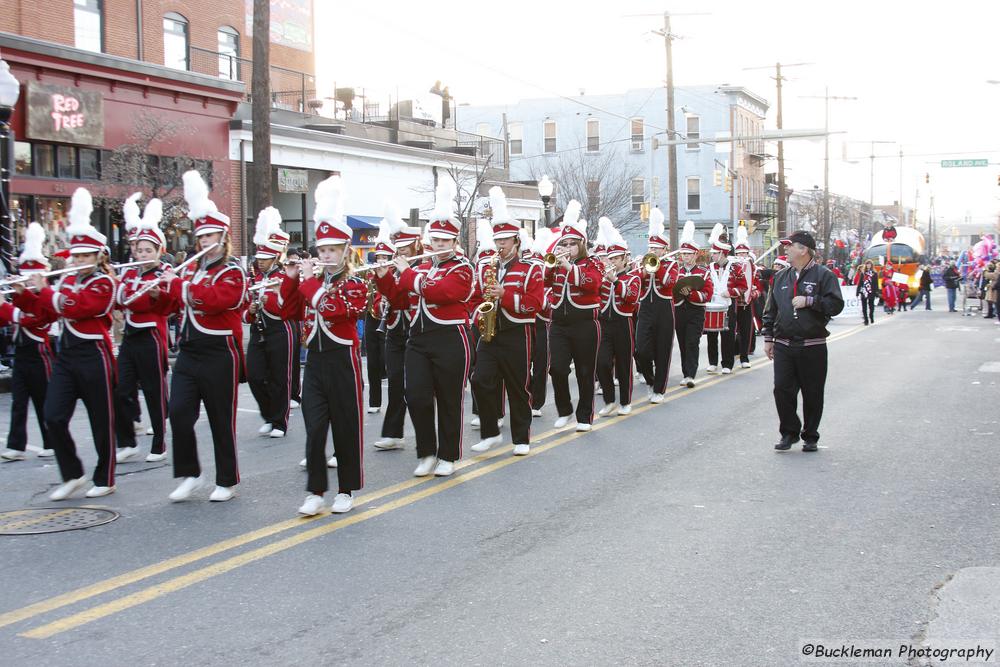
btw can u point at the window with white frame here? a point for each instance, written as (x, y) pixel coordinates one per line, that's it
(693, 132)
(550, 137)
(593, 135)
(515, 134)
(693, 193)
(88, 24)
(638, 134)
(175, 41)
(638, 194)
(229, 53)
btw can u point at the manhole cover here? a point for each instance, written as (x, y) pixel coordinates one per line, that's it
(53, 520)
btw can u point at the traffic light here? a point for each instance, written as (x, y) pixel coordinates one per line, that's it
(729, 183)
(717, 177)
(927, 178)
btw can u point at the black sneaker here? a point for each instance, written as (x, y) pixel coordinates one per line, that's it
(786, 443)
(810, 446)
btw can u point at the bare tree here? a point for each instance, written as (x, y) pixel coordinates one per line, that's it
(602, 183)
(468, 178)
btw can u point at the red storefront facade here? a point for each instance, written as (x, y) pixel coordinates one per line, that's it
(85, 119)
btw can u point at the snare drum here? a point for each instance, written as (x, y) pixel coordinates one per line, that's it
(715, 319)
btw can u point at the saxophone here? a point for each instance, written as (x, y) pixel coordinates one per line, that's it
(488, 308)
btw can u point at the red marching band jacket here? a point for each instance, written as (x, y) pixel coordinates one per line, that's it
(281, 303)
(333, 310)
(696, 297)
(621, 295)
(212, 298)
(83, 304)
(145, 312)
(580, 285)
(33, 328)
(661, 282)
(545, 313)
(402, 305)
(523, 291)
(442, 291)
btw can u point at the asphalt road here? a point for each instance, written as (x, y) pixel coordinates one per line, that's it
(674, 536)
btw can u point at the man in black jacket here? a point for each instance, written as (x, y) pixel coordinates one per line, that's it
(803, 299)
(952, 279)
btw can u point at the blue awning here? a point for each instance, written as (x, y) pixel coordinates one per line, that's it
(363, 222)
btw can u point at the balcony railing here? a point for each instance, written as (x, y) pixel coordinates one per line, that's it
(290, 89)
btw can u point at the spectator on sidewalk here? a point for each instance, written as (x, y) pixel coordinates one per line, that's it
(990, 289)
(952, 278)
(924, 294)
(867, 282)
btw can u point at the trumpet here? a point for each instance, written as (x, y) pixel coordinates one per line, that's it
(551, 259)
(649, 263)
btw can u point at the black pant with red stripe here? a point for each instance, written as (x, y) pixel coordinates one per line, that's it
(332, 398)
(506, 359)
(498, 393)
(745, 333)
(29, 379)
(85, 370)
(207, 371)
(654, 341)
(395, 357)
(539, 363)
(270, 356)
(728, 336)
(375, 352)
(297, 361)
(614, 360)
(142, 362)
(689, 321)
(437, 365)
(575, 340)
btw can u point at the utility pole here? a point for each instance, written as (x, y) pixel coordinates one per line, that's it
(782, 203)
(827, 223)
(260, 113)
(900, 204)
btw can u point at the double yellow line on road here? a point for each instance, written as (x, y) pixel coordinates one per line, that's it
(183, 581)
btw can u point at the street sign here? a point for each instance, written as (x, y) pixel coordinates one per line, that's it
(965, 163)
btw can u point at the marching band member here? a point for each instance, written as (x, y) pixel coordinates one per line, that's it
(540, 357)
(378, 310)
(575, 333)
(33, 356)
(746, 317)
(209, 365)
(484, 261)
(516, 294)
(721, 309)
(332, 388)
(402, 306)
(619, 300)
(142, 356)
(689, 309)
(271, 315)
(654, 339)
(85, 366)
(438, 351)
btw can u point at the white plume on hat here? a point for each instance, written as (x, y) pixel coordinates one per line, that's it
(80, 208)
(656, 222)
(687, 236)
(425, 238)
(268, 222)
(605, 231)
(571, 218)
(525, 238)
(130, 211)
(390, 225)
(498, 204)
(543, 239)
(151, 217)
(34, 239)
(717, 231)
(444, 200)
(329, 197)
(742, 237)
(196, 196)
(484, 237)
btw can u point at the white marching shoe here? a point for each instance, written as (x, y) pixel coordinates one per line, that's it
(712, 370)
(125, 453)
(625, 410)
(154, 458)
(149, 431)
(312, 506)
(98, 491)
(66, 489)
(475, 422)
(294, 405)
(46, 453)
(304, 463)
(184, 490)
(744, 364)
(14, 455)
(386, 444)
(485, 444)
(689, 382)
(727, 371)
(521, 450)
(583, 428)
(343, 502)
(265, 429)
(656, 398)
(425, 466)
(332, 462)
(444, 468)
(683, 382)
(276, 433)
(372, 411)
(222, 494)
(536, 413)
(608, 410)
(568, 420)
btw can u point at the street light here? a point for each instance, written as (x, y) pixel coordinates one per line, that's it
(10, 90)
(545, 191)
(446, 99)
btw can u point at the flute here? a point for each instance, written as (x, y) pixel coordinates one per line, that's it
(156, 283)
(46, 274)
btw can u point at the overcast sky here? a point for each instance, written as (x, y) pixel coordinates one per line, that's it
(918, 69)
